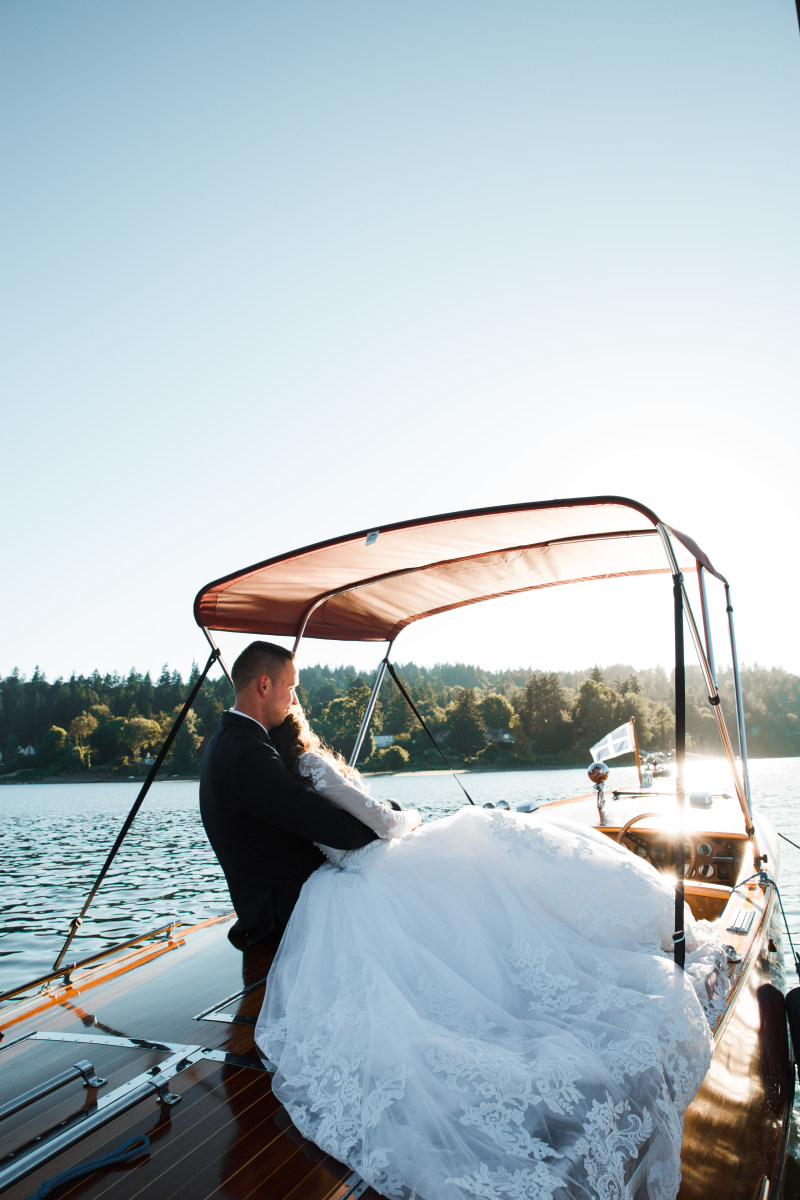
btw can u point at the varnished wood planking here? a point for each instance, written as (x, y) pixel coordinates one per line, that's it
(734, 1127)
(44, 1060)
(150, 1002)
(220, 1139)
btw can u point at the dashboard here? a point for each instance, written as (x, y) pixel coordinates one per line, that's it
(713, 858)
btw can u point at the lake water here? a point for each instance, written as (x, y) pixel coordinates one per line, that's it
(54, 839)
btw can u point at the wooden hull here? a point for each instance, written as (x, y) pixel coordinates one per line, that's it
(736, 1129)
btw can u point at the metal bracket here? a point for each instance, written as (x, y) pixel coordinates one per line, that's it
(165, 1096)
(214, 1013)
(91, 1078)
(83, 1068)
(356, 1186)
(741, 920)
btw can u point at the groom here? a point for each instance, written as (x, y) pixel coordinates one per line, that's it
(262, 821)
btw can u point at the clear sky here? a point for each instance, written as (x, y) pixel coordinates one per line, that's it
(273, 272)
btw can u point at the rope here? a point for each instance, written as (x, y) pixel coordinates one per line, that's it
(791, 843)
(127, 1152)
(762, 875)
(783, 835)
(421, 720)
(795, 959)
(76, 922)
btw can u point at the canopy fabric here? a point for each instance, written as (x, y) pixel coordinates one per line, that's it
(370, 585)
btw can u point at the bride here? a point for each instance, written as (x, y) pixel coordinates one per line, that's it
(484, 1006)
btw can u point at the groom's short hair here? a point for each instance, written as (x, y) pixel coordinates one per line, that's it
(259, 658)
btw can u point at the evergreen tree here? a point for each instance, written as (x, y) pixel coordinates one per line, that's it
(11, 757)
(550, 707)
(105, 739)
(596, 711)
(496, 711)
(543, 714)
(54, 749)
(183, 757)
(397, 714)
(81, 729)
(341, 721)
(466, 725)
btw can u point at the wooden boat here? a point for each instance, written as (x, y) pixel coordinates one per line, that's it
(657, 765)
(147, 1050)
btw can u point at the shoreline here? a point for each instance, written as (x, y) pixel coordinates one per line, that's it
(110, 776)
(118, 777)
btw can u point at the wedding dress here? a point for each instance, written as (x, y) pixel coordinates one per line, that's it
(485, 1009)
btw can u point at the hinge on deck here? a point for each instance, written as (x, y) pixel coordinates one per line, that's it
(356, 1186)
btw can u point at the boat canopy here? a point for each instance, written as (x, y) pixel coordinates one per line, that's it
(370, 585)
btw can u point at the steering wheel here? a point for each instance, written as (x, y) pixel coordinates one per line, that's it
(690, 853)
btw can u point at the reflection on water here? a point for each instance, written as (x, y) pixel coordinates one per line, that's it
(54, 842)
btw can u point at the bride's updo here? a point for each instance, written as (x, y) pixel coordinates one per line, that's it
(295, 737)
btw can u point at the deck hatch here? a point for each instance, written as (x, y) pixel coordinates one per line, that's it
(216, 1013)
(151, 1083)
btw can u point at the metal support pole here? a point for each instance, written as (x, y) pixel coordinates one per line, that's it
(701, 575)
(373, 700)
(713, 696)
(679, 936)
(76, 922)
(738, 694)
(218, 653)
(636, 748)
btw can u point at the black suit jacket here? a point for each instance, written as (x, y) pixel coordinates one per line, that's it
(262, 823)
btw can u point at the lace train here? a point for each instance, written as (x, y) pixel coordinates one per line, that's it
(485, 1009)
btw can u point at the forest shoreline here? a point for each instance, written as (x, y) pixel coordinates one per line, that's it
(111, 728)
(23, 778)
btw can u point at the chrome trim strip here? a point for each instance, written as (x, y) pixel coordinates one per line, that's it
(82, 1069)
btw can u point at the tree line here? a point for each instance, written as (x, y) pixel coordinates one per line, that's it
(116, 723)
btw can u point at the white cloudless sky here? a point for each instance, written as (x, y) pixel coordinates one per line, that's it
(275, 272)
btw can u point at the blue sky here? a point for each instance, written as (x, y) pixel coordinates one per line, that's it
(274, 272)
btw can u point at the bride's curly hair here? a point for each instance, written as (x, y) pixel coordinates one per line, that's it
(295, 737)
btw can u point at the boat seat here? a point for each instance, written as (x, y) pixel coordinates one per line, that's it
(706, 900)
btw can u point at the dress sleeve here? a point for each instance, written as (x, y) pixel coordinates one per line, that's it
(352, 795)
(268, 792)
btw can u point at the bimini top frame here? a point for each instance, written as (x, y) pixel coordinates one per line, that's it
(370, 585)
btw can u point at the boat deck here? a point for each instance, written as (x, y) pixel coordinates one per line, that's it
(182, 1022)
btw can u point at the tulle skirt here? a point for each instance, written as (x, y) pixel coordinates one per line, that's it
(486, 1008)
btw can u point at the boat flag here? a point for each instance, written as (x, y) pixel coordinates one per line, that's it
(619, 741)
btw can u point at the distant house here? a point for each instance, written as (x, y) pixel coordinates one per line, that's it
(27, 752)
(500, 736)
(382, 740)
